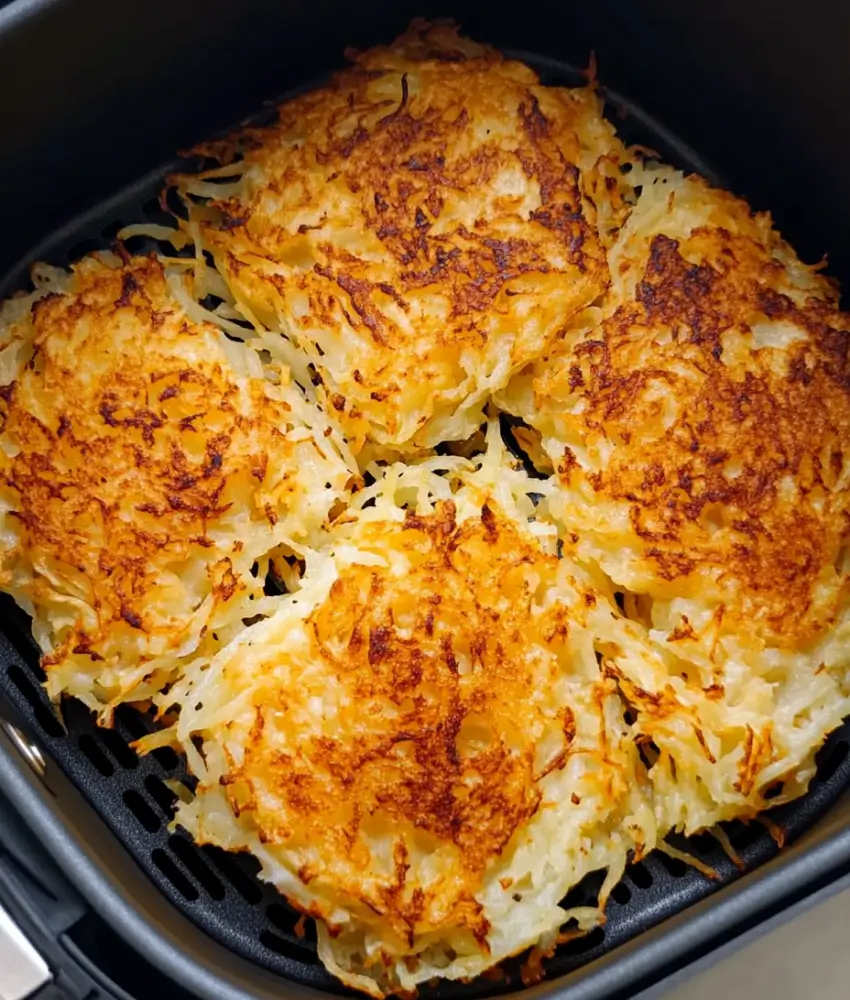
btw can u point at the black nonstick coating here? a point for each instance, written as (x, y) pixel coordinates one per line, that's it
(220, 892)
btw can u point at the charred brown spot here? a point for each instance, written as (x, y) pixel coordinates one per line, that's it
(130, 617)
(448, 654)
(488, 519)
(129, 286)
(380, 644)
(107, 411)
(84, 649)
(359, 292)
(533, 119)
(567, 464)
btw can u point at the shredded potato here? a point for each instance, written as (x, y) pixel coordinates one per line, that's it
(420, 745)
(420, 229)
(146, 465)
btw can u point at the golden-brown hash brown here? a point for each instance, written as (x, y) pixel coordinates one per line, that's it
(428, 755)
(437, 664)
(700, 429)
(142, 473)
(421, 227)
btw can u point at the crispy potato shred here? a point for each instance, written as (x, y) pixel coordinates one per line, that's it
(476, 680)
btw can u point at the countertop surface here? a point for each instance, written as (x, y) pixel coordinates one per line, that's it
(808, 957)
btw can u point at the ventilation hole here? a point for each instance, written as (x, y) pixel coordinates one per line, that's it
(512, 440)
(620, 598)
(131, 721)
(675, 866)
(161, 794)
(82, 248)
(190, 781)
(78, 717)
(289, 949)
(288, 922)
(166, 758)
(702, 843)
(833, 760)
(282, 917)
(308, 937)
(775, 791)
(586, 892)
(178, 880)
(232, 870)
(111, 231)
(124, 756)
(18, 630)
(95, 756)
(582, 945)
(640, 875)
(743, 835)
(43, 715)
(186, 852)
(141, 810)
(621, 894)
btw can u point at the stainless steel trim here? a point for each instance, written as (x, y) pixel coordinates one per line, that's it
(22, 969)
(29, 751)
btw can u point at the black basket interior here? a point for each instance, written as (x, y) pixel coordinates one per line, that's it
(220, 892)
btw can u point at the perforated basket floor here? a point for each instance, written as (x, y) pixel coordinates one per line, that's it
(219, 892)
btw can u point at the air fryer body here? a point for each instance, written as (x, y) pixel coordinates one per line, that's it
(96, 96)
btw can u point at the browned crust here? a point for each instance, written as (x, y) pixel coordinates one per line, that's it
(745, 484)
(437, 751)
(449, 212)
(130, 446)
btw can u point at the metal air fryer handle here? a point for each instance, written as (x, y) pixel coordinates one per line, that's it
(38, 910)
(22, 970)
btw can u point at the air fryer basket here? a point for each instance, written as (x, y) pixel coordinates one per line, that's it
(219, 893)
